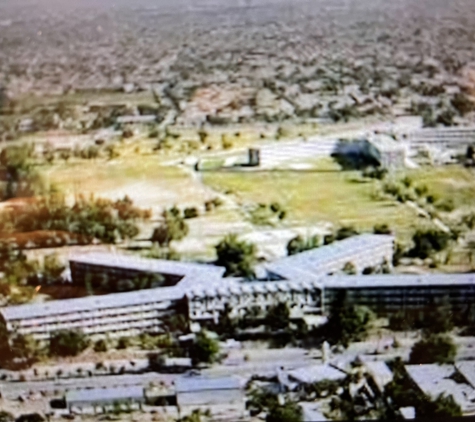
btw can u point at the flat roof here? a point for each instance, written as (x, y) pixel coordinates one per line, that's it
(191, 385)
(129, 262)
(467, 369)
(317, 260)
(91, 303)
(104, 395)
(435, 379)
(397, 280)
(385, 142)
(316, 373)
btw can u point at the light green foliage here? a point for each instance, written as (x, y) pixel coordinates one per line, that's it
(205, 349)
(433, 348)
(196, 415)
(100, 346)
(347, 323)
(288, 412)
(238, 257)
(299, 244)
(68, 343)
(278, 317)
(98, 218)
(173, 228)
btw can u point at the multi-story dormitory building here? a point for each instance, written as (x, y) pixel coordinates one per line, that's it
(446, 138)
(308, 282)
(362, 251)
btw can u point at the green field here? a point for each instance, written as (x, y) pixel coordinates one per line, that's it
(323, 194)
(448, 182)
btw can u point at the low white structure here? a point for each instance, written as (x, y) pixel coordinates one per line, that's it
(104, 399)
(362, 251)
(390, 153)
(433, 380)
(222, 396)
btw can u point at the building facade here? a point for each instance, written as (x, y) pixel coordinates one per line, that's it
(309, 283)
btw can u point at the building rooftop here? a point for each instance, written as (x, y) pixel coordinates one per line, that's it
(147, 264)
(104, 395)
(192, 385)
(312, 412)
(380, 373)
(434, 380)
(467, 369)
(397, 280)
(385, 143)
(316, 260)
(91, 303)
(316, 373)
(136, 119)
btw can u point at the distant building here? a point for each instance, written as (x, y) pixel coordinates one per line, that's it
(93, 267)
(114, 315)
(362, 251)
(134, 120)
(222, 396)
(457, 138)
(313, 374)
(104, 399)
(308, 283)
(433, 380)
(389, 153)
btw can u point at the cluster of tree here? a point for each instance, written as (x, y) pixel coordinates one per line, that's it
(104, 283)
(103, 219)
(267, 215)
(405, 190)
(403, 393)
(435, 318)
(261, 400)
(172, 228)
(27, 417)
(347, 323)
(238, 257)
(19, 177)
(428, 241)
(342, 233)
(25, 274)
(300, 244)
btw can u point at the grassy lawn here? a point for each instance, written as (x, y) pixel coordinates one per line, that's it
(149, 183)
(448, 182)
(320, 194)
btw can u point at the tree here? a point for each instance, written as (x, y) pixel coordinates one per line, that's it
(6, 416)
(30, 417)
(381, 229)
(441, 407)
(433, 348)
(173, 228)
(238, 257)
(438, 317)
(345, 232)
(349, 268)
(288, 412)
(196, 415)
(204, 349)
(100, 346)
(347, 323)
(462, 103)
(428, 241)
(278, 317)
(299, 244)
(68, 343)
(25, 348)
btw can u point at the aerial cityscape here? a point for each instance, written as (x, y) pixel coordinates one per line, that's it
(249, 210)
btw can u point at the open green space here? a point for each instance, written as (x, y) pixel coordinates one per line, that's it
(319, 194)
(447, 182)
